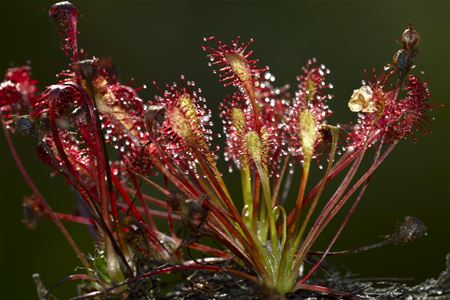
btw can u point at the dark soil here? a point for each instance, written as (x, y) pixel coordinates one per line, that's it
(205, 285)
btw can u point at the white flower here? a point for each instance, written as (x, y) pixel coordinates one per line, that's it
(361, 100)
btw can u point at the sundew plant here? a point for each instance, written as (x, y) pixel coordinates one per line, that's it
(108, 144)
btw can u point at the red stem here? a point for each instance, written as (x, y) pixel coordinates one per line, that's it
(120, 189)
(153, 200)
(171, 269)
(170, 221)
(322, 289)
(207, 249)
(143, 203)
(363, 180)
(74, 219)
(44, 202)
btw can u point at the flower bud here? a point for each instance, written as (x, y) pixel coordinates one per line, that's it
(154, 118)
(410, 38)
(66, 15)
(87, 69)
(401, 60)
(25, 125)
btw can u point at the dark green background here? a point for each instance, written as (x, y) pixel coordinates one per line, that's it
(159, 40)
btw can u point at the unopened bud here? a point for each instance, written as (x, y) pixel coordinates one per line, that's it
(87, 68)
(63, 9)
(25, 125)
(194, 216)
(154, 117)
(410, 38)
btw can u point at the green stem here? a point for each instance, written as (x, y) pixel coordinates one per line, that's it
(335, 138)
(247, 195)
(277, 186)
(268, 203)
(288, 252)
(281, 213)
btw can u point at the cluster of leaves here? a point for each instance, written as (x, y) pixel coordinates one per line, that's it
(106, 142)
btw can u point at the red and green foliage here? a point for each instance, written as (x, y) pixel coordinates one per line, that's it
(107, 142)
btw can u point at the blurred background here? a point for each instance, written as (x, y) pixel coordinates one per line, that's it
(159, 40)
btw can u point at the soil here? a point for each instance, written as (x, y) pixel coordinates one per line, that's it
(204, 285)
